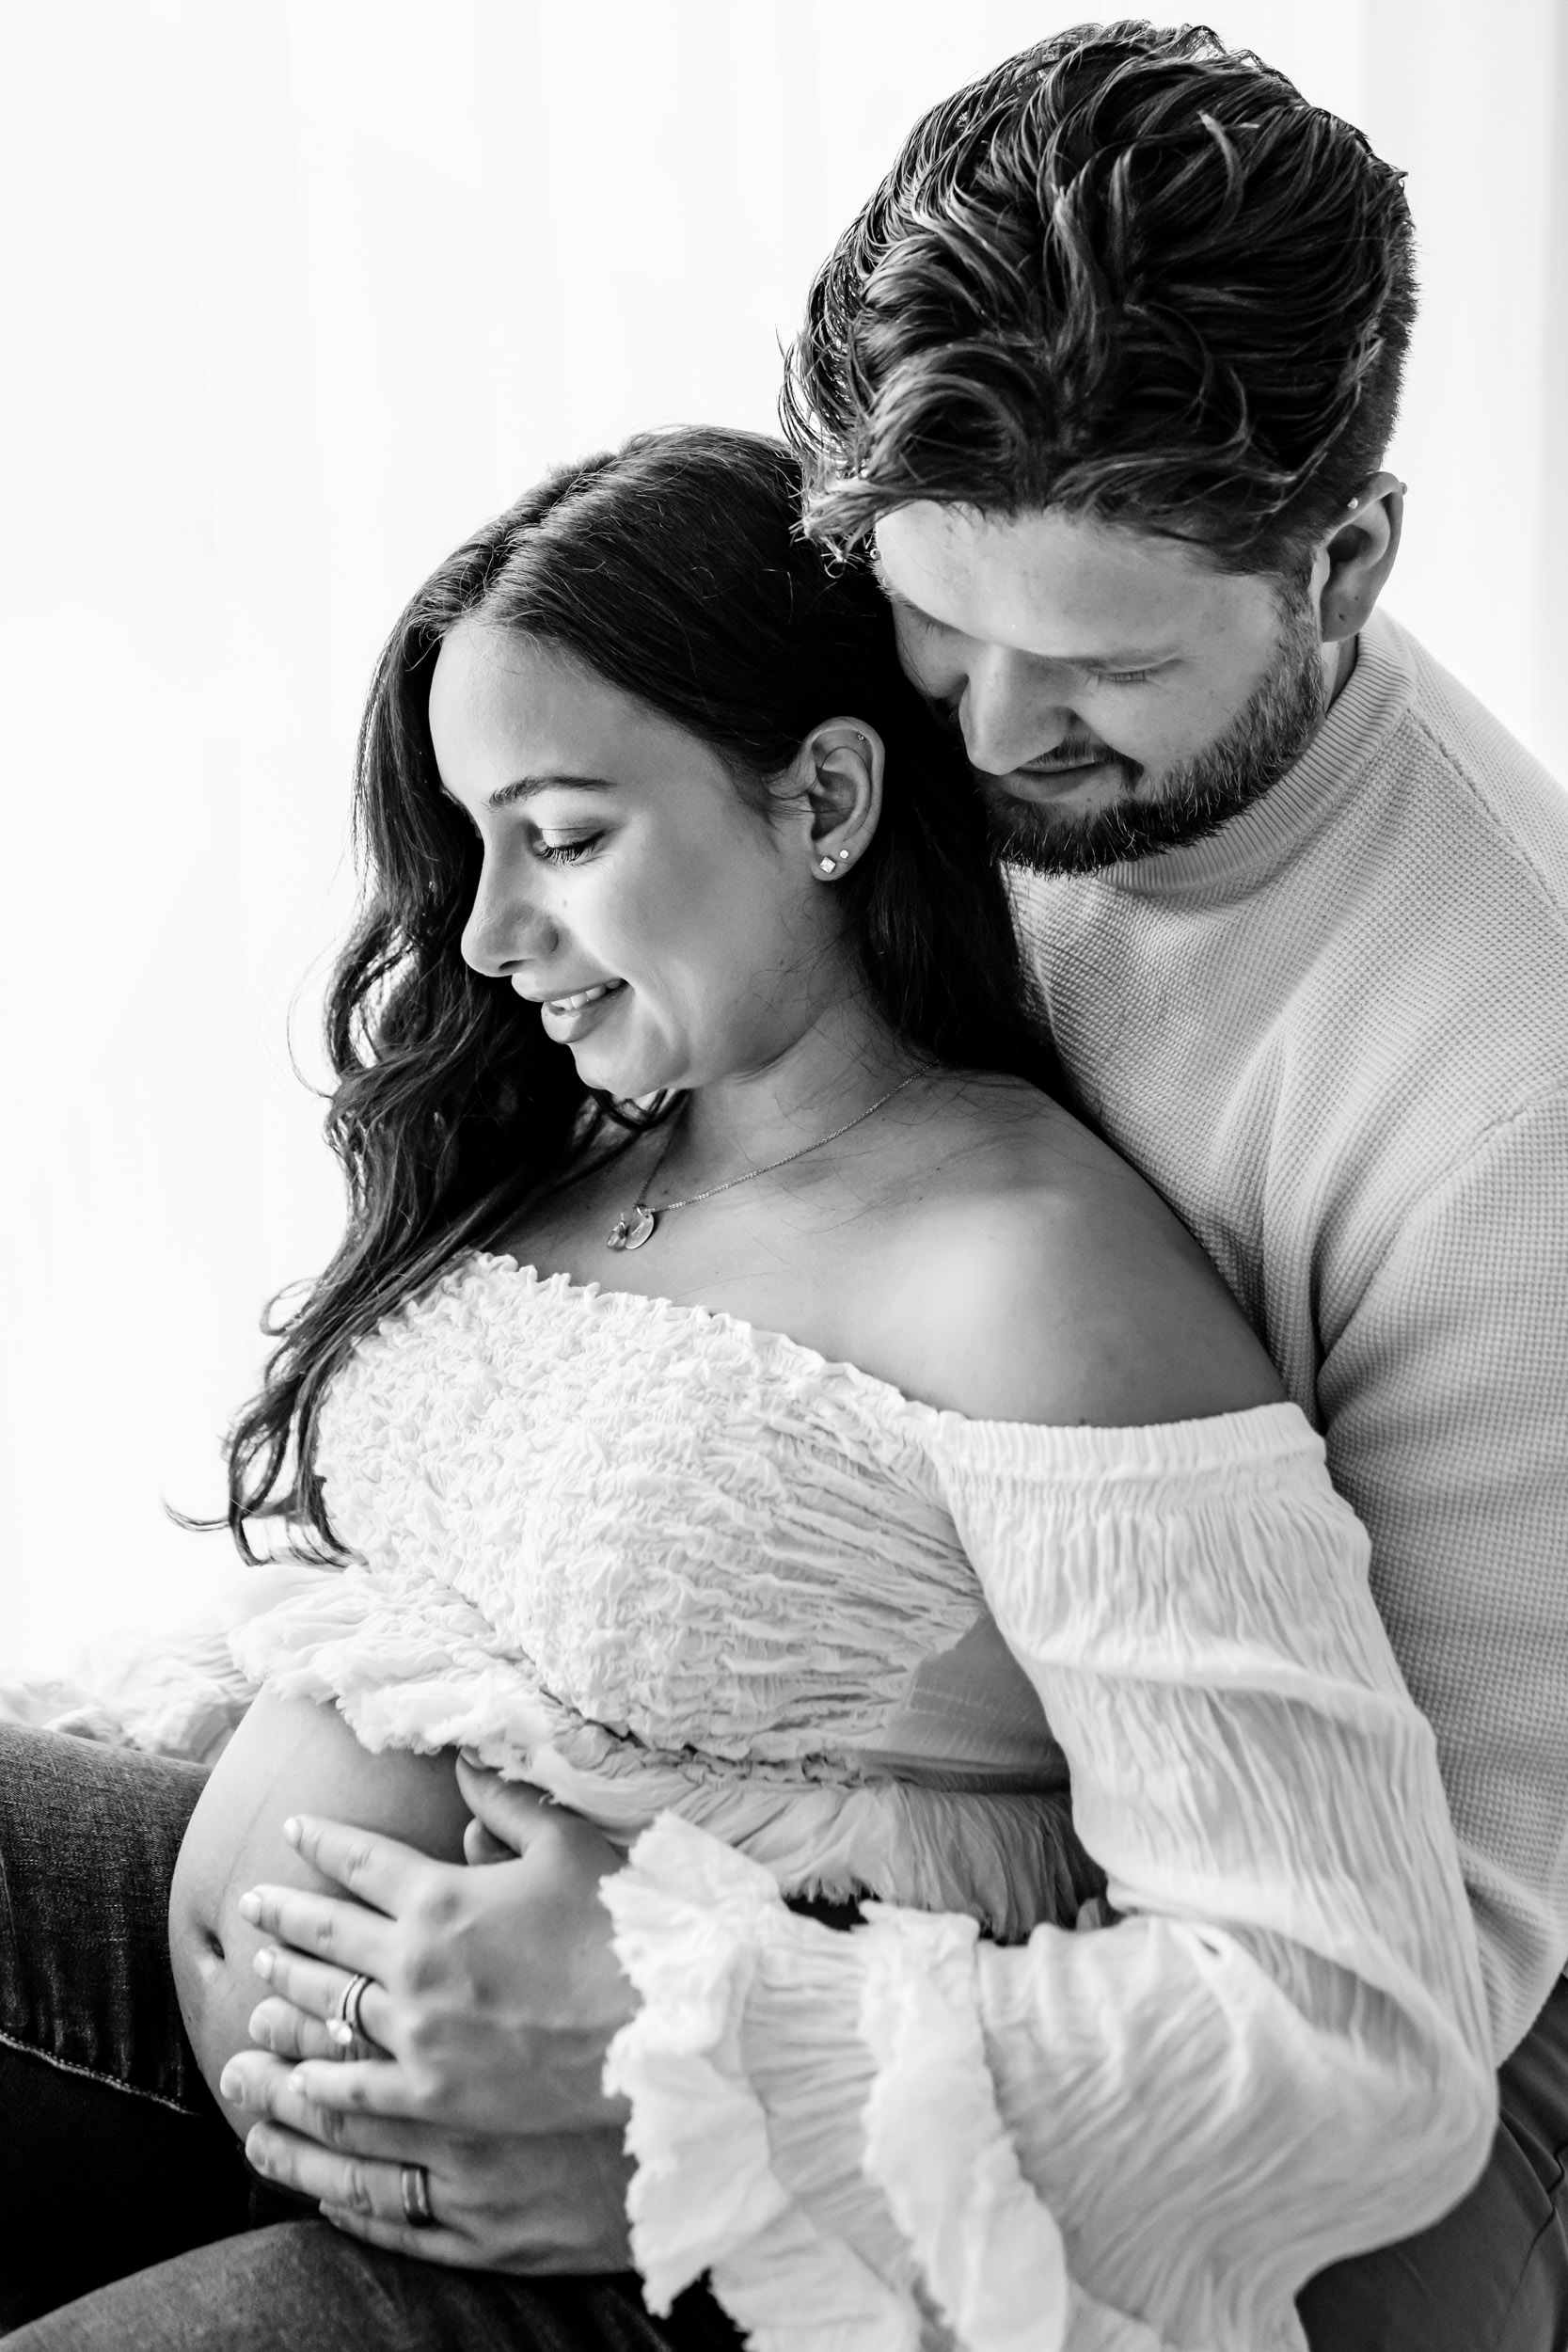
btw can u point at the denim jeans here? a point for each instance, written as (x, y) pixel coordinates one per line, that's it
(130, 2222)
(129, 2218)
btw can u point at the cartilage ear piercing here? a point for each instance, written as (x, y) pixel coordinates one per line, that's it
(844, 857)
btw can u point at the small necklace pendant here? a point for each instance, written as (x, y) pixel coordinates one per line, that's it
(632, 1229)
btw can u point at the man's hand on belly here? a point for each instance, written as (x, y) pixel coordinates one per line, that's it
(533, 2202)
(494, 1994)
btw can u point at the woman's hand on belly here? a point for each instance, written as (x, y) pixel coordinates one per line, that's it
(495, 1992)
(287, 1757)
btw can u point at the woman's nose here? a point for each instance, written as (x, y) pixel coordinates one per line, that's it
(506, 929)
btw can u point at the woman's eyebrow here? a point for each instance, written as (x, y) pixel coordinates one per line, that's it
(523, 787)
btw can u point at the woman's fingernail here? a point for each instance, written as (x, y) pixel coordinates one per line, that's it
(251, 1906)
(230, 2086)
(264, 1961)
(294, 1829)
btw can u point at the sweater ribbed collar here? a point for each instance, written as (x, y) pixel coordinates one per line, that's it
(1247, 849)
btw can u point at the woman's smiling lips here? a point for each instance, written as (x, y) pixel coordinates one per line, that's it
(569, 1017)
(575, 1002)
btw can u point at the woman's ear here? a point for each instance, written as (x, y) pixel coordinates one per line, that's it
(1357, 556)
(838, 794)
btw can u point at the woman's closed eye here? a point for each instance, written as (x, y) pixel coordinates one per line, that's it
(568, 851)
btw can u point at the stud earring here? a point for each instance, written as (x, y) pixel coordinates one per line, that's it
(825, 866)
(844, 857)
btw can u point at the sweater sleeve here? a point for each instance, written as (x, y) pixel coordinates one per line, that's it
(1151, 2134)
(1445, 1399)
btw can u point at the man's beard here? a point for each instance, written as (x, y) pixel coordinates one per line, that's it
(1198, 795)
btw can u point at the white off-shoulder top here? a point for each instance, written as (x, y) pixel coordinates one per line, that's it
(653, 1561)
(793, 1633)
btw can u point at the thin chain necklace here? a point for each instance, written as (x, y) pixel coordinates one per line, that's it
(636, 1225)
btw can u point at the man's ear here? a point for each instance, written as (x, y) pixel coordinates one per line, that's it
(1356, 555)
(839, 795)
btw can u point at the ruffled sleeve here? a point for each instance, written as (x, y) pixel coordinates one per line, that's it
(1149, 2134)
(408, 1661)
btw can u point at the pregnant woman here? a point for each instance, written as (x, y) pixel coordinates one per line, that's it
(748, 1408)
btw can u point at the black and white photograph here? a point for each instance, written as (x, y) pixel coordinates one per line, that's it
(783, 1540)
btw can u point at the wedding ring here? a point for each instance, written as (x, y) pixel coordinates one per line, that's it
(342, 2020)
(416, 2198)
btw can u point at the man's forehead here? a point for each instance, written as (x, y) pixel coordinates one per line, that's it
(1046, 581)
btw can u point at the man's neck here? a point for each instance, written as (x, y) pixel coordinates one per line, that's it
(1339, 666)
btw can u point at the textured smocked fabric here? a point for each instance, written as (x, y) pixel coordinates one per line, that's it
(796, 1633)
(650, 1559)
(1334, 1035)
(1147, 2136)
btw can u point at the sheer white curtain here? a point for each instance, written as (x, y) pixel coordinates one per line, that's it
(301, 289)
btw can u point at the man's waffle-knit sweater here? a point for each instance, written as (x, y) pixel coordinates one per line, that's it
(1334, 1035)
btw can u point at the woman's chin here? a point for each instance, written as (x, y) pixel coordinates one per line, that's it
(629, 1077)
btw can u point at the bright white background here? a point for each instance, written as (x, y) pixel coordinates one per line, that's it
(298, 290)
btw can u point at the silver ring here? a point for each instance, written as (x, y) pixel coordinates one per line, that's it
(343, 2017)
(415, 2184)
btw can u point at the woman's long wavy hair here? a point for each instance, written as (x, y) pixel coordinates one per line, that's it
(673, 568)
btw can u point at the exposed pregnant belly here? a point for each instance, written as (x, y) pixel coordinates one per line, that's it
(288, 1755)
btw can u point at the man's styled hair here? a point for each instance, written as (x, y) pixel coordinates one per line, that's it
(1129, 272)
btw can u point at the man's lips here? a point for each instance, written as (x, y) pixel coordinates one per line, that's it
(1067, 759)
(1051, 780)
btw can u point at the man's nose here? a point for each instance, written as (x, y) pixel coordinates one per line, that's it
(1011, 710)
(506, 929)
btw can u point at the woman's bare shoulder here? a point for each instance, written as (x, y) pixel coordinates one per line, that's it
(1044, 1280)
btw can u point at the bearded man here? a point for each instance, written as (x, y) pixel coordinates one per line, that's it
(1104, 375)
